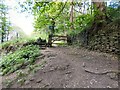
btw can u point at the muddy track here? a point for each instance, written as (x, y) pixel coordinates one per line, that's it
(64, 69)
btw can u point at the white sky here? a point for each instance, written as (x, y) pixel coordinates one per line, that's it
(20, 19)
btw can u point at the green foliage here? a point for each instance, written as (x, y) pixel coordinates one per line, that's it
(8, 43)
(83, 21)
(45, 11)
(60, 11)
(16, 43)
(20, 73)
(43, 34)
(8, 83)
(4, 22)
(21, 81)
(113, 13)
(21, 57)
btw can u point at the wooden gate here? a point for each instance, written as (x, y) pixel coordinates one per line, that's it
(53, 38)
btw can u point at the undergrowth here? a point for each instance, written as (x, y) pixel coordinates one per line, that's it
(16, 42)
(20, 58)
(13, 45)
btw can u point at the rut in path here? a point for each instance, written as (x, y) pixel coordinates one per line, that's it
(64, 68)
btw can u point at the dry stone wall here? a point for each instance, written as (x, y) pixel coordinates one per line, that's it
(105, 40)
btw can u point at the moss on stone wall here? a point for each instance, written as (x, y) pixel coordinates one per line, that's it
(105, 40)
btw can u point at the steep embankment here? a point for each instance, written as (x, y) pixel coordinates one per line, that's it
(104, 40)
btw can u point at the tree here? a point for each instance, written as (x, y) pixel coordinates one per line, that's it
(99, 17)
(3, 21)
(44, 12)
(65, 15)
(71, 14)
(99, 14)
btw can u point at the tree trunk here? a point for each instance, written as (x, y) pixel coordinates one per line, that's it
(101, 8)
(99, 17)
(71, 15)
(2, 35)
(8, 35)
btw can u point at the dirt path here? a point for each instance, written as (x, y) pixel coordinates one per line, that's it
(65, 69)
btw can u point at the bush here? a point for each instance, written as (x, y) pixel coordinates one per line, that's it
(113, 13)
(21, 57)
(12, 45)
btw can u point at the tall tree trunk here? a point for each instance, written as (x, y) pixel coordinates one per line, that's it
(71, 15)
(2, 35)
(8, 35)
(100, 16)
(101, 8)
(2, 38)
(69, 38)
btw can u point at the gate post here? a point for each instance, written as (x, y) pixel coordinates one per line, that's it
(50, 40)
(52, 30)
(69, 41)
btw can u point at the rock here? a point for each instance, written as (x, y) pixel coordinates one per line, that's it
(83, 65)
(96, 68)
(113, 76)
(67, 65)
(87, 87)
(51, 55)
(68, 72)
(27, 82)
(41, 57)
(52, 69)
(39, 81)
(45, 86)
(31, 79)
(93, 81)
(109, 87)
